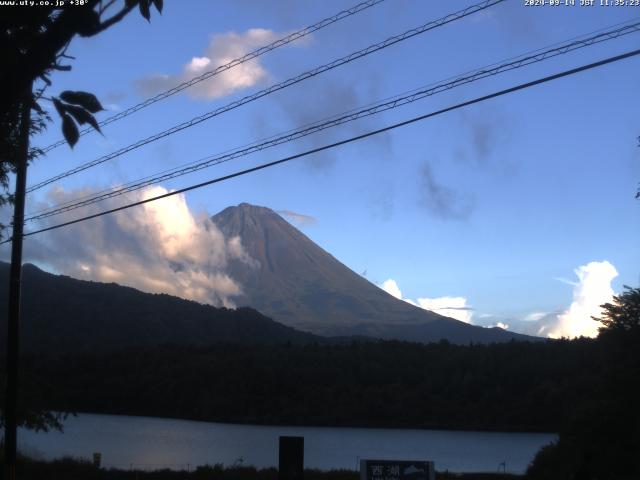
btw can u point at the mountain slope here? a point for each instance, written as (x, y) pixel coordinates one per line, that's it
(62, 314)
(296, 282)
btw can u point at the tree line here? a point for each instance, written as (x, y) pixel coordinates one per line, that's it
(511, 386)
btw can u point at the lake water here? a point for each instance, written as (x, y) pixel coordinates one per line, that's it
(154, 443)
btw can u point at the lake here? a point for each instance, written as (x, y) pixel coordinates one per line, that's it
(154, 443)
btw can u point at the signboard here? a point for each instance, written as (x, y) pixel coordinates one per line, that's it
(396, 470)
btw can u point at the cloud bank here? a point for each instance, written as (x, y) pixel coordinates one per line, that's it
(592, 290)
(222, 49)
(454, 307)
(159, 247)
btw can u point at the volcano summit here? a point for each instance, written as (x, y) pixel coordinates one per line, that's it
(295, 282)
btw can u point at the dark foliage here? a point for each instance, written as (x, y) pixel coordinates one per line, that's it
(79, 469)
(76, 109)
(601, 438)
(512, 386)
(62, 314)
(76, 469)
(33, 44)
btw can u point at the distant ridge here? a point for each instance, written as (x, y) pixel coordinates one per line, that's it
(304, 294)
(296, 282)
(62, 314)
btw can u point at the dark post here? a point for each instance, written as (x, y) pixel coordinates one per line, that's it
(15, 278)
(291, 461)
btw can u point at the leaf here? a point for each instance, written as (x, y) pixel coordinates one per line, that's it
(70, 130)
(144, 9)
(82, 116)
(89, 24)
(84, 99)
(159, 4)
(130, 3)
(60, 107)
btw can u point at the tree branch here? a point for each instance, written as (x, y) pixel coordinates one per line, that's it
(112, 21)
(104, 8)
(44, 50)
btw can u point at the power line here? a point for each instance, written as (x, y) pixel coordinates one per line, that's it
(521, 86)
(227, 66)
(571, 44)
(279, 86)
(388, 104)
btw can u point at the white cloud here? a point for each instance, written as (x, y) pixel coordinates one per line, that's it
(298, 218)
(159, 247)
(391, 287)
(222, 49)
(534, 316)
(454, 307)
(592, 290)
(564, 280)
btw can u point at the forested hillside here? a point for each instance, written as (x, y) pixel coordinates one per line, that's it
(61, 314)
(512, 386)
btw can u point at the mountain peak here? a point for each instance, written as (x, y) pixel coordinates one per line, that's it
(300, 284)
(246, 221)
(246, 209)
(248, 206)
(296, 282)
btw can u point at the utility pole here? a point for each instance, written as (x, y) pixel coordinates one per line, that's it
(15, 280)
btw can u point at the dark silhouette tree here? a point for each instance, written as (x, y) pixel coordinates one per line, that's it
(623, 315)
(601, 440)
(33, 44)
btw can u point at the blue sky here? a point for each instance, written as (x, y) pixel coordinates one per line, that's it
(496, 204)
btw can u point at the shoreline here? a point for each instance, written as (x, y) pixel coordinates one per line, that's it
(320, 425)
